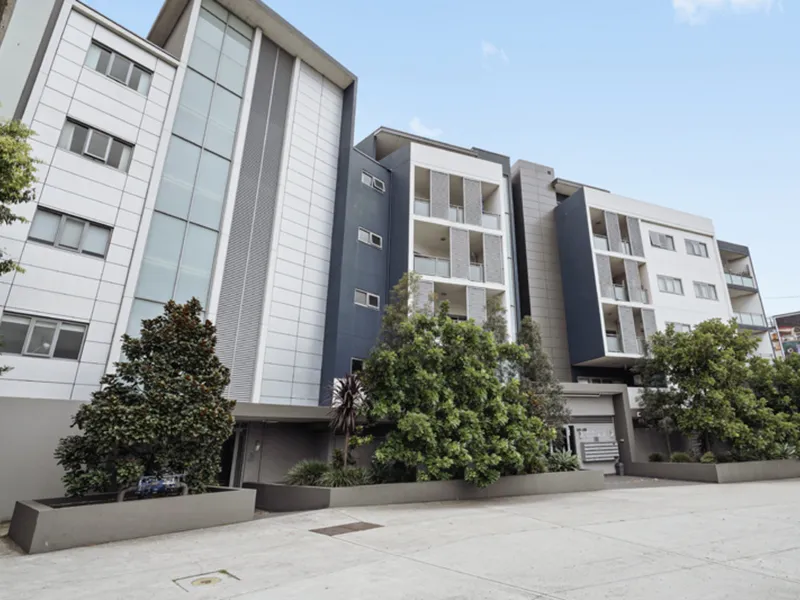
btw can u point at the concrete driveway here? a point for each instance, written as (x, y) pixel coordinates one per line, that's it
(700, 541)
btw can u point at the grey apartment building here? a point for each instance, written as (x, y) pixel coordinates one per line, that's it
(216, 158)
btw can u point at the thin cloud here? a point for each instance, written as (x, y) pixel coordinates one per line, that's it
(491, 51)
(419, 128)
(696, 12)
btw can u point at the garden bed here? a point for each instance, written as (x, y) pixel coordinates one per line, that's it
(761, 470)
(279, 497)
(60, 523)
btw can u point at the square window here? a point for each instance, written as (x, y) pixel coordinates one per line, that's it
(120, 68)
(378, 184)
(361, 298)
(41, 340)
(13, 331)
(96, 241)
(69, 342)
(363, 235)
(140, 80)
(376, 240)
(373, 300)
(366, 178)
(98, 145)
(45, 227)
(71, 233)
(119, 156)
(98, 59)
(356, 365)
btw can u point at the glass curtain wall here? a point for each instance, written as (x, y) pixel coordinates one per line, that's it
(182, 241)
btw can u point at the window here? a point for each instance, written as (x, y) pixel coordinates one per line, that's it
(366, 299)
(373, 182)
(372, 239)
(707, 291)
(46, 338)
(96, 145)
(662, 240)
(680, 327)
(696, 248)
(606, 380)
(356, 365)
(69, 233)
(117, 67)
(670, 285)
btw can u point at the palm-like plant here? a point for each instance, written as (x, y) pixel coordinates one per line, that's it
(347, 400)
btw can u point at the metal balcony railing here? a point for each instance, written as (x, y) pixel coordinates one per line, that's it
(600, 242)
(422, 207)
(623, 294)
(740, 279)
(476, 272)
(456, 213)
(620, 293)
(754, 319)
(431, 265)
(491, 220)
(613, 343)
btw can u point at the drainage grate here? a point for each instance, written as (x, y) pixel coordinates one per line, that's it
(347, 528)
(204, 580)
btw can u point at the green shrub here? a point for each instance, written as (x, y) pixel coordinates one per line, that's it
(346, 477)
(561, 461)
(724, 457)
(708, 458)
(680, 457)
(307, 472)
(656, 457)
(785, 451)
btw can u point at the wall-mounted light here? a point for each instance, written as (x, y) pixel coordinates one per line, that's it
(257, 446)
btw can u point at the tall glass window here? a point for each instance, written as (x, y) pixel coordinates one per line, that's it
(181, 245)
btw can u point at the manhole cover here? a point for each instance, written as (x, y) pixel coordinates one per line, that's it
(204, 580)
(346, 528)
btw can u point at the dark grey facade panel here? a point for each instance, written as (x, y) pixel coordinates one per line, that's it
(635, 236)
(399, 163)
(613, 231)
(473, 205)
(734, 248)
(604, 275)
(241, 305)
(521, 262)
(584, 323)
(493, 259)
(633, 279)
(459, 253)
(440, 195)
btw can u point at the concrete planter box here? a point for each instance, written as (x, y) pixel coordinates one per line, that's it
(760, 470)
(60, 523)
(279, 497)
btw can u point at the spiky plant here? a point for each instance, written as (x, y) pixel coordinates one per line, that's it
(347, 401)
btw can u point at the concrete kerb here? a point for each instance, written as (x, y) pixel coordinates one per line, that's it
(718, 473)
(48, 525)
(279, 497)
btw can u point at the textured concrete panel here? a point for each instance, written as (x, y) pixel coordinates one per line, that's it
(473, 206)
(476, 304)
(627, 330)
(440, 195)
(423, 301)
(493, 259)
(613, 232)
(633, 280)
(649, 322)
(459, 253)
(604, 275)
(635, 236)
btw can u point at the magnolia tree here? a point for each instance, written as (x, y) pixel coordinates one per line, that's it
(437, 380)
(161, 411)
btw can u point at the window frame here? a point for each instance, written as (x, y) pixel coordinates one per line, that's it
(670, 247)
(32, 321)
(680, 327)
(370, 180)
(368, 296)
(353, 360)
(701, 246)
(672, 280)
(371, 238)
(107, 72)
(90, 131)
(62, 222)
(698, 285)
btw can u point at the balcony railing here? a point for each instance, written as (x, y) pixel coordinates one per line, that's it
(754, 319)
(429, 265)
(457, 213)
(739, 279)
(491, 220)
(614, 344)
(601, 243)
(626, 248)
(476, 272)
(641, 344)
(622, 293)
(422, 207)
(458, 317)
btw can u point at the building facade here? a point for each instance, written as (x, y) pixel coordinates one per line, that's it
(215, 159)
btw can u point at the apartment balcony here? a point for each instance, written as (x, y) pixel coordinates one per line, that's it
(614, 344)
(751, 320)
(601, 243)
(740, 280)
(432, 265)
(456, 214)
(476, 272)
(422, 207)
(622, 294)
(491, 220)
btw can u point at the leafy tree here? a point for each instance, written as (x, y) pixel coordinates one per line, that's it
(17, 176)
(778, 382)
(708, 392)
(495, 322)
(537, 379)
(161, 411)
(436, 379)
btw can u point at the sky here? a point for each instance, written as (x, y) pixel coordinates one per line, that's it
(690, 104)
